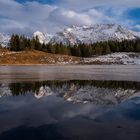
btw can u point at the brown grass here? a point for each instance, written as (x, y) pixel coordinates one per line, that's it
(34, 57)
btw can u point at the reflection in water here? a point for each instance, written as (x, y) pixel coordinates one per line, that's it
(24, 87)
(99, 92)
(84, 110)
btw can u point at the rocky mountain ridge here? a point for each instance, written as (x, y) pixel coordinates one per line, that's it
(82, 34)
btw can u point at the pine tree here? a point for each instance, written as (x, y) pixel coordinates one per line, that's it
(15, 43)
(137, 46)
(107, 49)
(0, 46)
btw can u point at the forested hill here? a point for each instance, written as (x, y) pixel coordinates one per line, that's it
(20, 43)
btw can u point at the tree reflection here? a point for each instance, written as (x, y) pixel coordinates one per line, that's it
(26, 87)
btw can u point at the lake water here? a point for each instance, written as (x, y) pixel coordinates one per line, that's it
(77, 72)
(70, 102)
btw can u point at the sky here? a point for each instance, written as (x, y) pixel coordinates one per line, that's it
(51, 16)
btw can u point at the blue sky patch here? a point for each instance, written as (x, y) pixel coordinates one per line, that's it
(134, 14)
(40, 1)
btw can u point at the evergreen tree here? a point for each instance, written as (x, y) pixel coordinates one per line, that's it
(15, 43)
(20, 43)
(137, 46)
(107, 49)
(0, 46)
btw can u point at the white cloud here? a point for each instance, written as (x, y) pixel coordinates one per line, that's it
(99, 17)
(31, 16)
(136, 27)
(16, 17)
(68, 18)
(81, 4)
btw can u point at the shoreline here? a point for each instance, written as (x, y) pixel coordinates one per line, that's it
(39, 58)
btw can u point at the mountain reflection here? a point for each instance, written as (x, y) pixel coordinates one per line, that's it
(77, 91)
(74, 110)
(23, 88)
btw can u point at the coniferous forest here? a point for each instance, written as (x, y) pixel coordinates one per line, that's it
(21, 43)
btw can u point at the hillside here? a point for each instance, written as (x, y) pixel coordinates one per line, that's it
(34, 57)
(38, 57)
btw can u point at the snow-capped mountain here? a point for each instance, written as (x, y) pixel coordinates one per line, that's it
(4, 39)
(43, 38)
(92, 34)
(83, 34)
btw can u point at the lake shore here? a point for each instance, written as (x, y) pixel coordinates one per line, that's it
(34, 57)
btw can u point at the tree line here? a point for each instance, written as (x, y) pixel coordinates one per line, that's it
(26, 87)
(21, 43)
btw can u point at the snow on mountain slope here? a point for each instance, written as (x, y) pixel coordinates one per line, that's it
(43, 38)
(92, 34)
(83, 34)
(4, 39)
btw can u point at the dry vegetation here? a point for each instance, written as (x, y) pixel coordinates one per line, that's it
(34, 57)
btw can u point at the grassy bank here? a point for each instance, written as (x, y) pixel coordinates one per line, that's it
(34, 57)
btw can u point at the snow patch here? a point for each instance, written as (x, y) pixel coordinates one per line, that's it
(115, 58)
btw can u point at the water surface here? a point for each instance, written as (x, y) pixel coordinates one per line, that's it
(69, 102)
(60, 110)
(74, 72)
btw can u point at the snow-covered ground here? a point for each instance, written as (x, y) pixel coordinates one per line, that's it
(115, 58)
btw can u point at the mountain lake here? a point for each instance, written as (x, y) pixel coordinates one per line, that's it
(71, 102)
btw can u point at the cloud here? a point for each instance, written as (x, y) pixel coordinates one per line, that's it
(18, 17)
(27, 17)
(80, 4)
(99, 17)
(36, 16)
(69, 17)
(136, 27)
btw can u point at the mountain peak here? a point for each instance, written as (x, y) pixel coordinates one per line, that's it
(43, 38)
(4, 39)
(82, 34)
(40, 35)
(94, 33)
